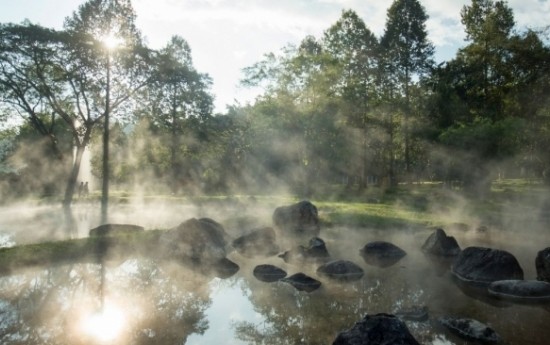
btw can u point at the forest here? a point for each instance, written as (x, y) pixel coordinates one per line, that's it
(337, 114)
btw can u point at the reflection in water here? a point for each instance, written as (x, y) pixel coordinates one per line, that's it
(166, 303)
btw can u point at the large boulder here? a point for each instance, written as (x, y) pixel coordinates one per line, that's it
(542, 262)
(470, 329)
(377, 329)
(521, 290)
(439, 244)
(260, 242)
(382, 254)
(200, 240)
(486, 265)
(300, 219)
(341, 270)
(115, 229)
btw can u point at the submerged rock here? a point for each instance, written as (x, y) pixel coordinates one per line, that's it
(260, 242)
(470, 329)
(115, 229)
(341, 270)
(542, 263)
(414, 313)
(224, 268)
(440, 244)
(302, 282)
(486, 265)
(269, 273)
(382, 254)
(316, 252)
(300, 219)
(521, 290)
(377, 329)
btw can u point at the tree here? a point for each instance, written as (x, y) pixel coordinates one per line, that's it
(179, 99)
(407, 55)
(354, 50)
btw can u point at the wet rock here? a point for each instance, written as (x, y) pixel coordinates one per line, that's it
(377, 329)
(300, 219)
(341, 270)
(269, 273)
(485, 265)
(470, 329)
(225, 268)
(316, 252)
(115, 229)
(195, 239)
(521, 290)
(302, 282)
(414, 313)
(439, 244)
(260, 242)
(382, 254)
(542, 262)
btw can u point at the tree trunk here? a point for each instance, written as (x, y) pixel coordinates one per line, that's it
(71, 182)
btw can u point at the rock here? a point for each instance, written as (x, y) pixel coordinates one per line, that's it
(341, 270)
(377, 329)
(440, 244)
(300, 219)
(316, 252)
(382, 254)
(269, 273)
(115, 229)
(542, 262)
(414, 313)
(302, 282)
(224, 268)
(521, 290)
(260, 242)
(196, 239)
(470, 329)
(485, 265)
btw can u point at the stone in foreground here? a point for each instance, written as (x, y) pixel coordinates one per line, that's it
(470, 329)
(382, 254)
(485, 265)
(341, 270)
(542, 263)
(268, 273)
(377, 329)
(300, 219)
(439, 244)
(302, 282)
(521, 290)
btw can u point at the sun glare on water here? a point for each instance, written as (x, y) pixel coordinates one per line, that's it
(104, 325)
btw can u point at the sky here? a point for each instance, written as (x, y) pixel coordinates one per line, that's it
(228, 35)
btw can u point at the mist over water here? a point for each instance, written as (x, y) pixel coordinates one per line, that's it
(166, 302)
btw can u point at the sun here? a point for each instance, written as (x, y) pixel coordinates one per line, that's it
(104, 325)
(111, 41)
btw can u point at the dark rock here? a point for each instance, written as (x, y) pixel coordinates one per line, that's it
(440, 244)
(302, 282)
(260, 242)
(521, 290)
(470, 329)
(316, 252)
(300, 219)
(414, 313)
(486, 265)
(269, 273)
(224, 268)
(377, 329)
(341, 270)
(542, 262)
(115, 229)
(382, 254)
(196, 239)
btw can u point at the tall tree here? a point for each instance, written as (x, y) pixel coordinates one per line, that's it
(179, 99)
(407, 54)
(354, 50)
